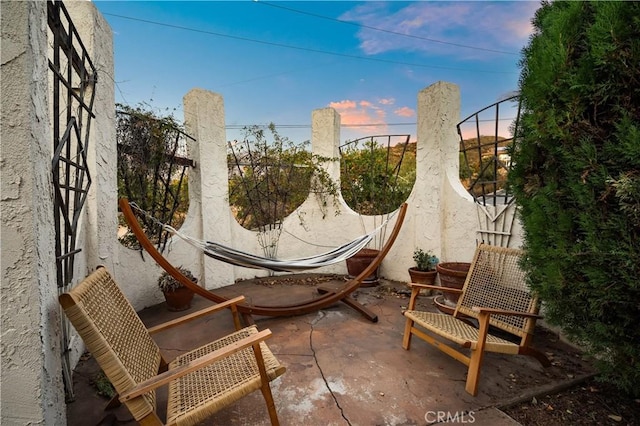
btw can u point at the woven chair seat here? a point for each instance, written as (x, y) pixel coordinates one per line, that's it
(197, 395)
(459, 331)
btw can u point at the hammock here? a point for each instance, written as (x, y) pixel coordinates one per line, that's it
(312, 305)
(248, 260)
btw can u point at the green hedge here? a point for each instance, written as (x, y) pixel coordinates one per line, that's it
(576, 176)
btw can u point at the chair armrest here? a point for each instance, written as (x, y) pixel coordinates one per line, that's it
(436, 287)
(166, 377)
(495, 311)
(186, 318)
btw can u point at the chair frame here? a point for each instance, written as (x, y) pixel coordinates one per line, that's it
(72, 303)
(461, 318)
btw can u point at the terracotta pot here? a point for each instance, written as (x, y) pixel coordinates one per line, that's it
(423, 277)
(359, 262)
(452, 274)
(179, 300)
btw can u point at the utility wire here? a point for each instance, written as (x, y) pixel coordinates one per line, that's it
(308, 126)
(432, 40)
(306, 49)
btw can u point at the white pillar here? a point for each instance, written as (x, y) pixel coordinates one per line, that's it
(31, 374)
(437, 151)
(325, 139)
(208, 182)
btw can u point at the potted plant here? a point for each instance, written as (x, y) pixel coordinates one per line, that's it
(178, 297)
(425, 270)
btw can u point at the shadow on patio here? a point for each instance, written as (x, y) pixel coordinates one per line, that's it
(345, 370)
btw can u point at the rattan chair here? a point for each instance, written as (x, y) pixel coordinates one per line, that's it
(199, 382)
(495, 294)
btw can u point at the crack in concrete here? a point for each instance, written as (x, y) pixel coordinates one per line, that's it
(315, 358)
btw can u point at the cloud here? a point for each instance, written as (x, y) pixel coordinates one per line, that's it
(503, 26)
(363, 114)
(387, 101)
(405, 112)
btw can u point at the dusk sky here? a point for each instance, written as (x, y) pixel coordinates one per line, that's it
(278, 61)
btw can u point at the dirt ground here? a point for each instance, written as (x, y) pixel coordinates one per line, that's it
(588, 403)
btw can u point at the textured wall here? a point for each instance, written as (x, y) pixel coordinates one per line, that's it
(30, 343)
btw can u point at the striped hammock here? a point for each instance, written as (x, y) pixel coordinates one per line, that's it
(248, 260)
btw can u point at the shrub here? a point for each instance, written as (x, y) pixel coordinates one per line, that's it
(576, 176)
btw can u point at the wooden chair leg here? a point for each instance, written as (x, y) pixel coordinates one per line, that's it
(406, 339)
(473, 374)
(264, 386)
(271, 406)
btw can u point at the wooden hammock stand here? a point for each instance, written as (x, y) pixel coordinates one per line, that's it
(328, 296)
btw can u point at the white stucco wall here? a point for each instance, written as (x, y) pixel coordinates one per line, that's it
(441, 216)
(32, 386)
(32, 390)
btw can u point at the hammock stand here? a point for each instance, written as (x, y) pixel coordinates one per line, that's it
(328, 296)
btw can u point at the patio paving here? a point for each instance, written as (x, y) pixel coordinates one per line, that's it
(345, 370)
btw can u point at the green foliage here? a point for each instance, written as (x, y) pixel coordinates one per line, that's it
(166, 282)
(425, 261)
(269, 179)
(375, 179)
(103, 385)
(147, 172)
(576, 179)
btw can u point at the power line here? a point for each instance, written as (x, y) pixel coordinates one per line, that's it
(432, 40)
(308, 126)
(306, 49)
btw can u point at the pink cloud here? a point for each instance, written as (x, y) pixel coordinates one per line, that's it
(405, 112)
(346, 104)
(363, 115)
(387, 101)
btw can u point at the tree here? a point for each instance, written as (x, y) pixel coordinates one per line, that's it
(576, 176)
(375, 179)
(148, 171)
(269, 179)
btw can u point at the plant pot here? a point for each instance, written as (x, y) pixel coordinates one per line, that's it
(423, 277)
(179, 299)
(359, 262)
(453, 275)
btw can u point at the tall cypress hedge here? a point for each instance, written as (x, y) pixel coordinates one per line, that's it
(576, 176)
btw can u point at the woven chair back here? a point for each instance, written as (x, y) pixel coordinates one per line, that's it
(115, 336)
(495, 280)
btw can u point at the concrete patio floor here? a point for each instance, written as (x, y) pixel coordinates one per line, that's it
(345, 370)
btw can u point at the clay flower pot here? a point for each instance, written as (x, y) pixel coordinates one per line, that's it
(359, 262)
(423, 277)
(452, 274)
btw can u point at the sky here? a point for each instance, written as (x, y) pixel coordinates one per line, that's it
(277, 61)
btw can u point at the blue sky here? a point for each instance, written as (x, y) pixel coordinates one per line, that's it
(278, 61)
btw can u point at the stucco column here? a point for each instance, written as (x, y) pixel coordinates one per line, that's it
(325, 139)
(437, 151)
(102, 205)
(208, 182)
(31, 374)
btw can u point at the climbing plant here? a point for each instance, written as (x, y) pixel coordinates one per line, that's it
(270, 177)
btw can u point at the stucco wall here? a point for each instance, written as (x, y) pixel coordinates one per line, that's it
(442, 217)
(31, 375)
(32, 390)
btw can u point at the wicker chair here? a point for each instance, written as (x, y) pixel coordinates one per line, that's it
(199, 382)
(496, 294)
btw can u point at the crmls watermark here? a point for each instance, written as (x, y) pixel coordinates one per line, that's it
(450, 417)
